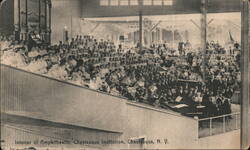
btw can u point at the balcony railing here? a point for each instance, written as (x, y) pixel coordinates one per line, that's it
(219, 124)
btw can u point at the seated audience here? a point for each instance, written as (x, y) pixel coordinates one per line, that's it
(157, 76)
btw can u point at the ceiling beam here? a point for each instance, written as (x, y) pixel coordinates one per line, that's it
(92, 8)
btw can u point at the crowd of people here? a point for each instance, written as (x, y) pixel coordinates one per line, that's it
(155, 75)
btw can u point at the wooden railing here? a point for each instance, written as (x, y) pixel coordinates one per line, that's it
(219, 124)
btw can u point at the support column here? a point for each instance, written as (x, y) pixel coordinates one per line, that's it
(161, 35)
(50, 6)
(26, 20)
(244, 73)
(140, 30)
(140, 24)
(204, 35)
(173, 37)
(157, 35)
(19, 15)
(19, 20)
(46, 26)
(39, 18)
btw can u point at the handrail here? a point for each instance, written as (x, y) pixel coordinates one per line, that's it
(237, 113)
(222, 127)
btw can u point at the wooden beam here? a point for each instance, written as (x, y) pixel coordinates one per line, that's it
(195, 24)
(39, 11)
(26, 20)
(159, 22)
(19, 16)
(204, 35)
(140, 30)
(50, 6)
(140, 24)
(95, 27)
(46, 15)
(210, 21)
(222, 6)
(92, 8)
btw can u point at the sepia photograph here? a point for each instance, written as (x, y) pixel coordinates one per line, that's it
(124, 74)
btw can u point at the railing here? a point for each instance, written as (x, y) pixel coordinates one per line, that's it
(219, 124)
(236, 97)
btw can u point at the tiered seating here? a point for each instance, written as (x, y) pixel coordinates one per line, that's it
(154, 76)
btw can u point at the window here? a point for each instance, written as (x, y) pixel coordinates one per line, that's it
(147, 2)
(124, 2)
(133, 2)
(113, 2)
(104, 2)
(168, 2)
(157, 2)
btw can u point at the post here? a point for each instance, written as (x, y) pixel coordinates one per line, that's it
(26, 20)
(39, 10)
(19, 19)
(204, 35)
(140, 24)
(71, 26)
(46, 32)
(244, 72)
(50, 6)
(224, 124)
(236, 121)
(210, 127)
(173, 37)
(140, 30)
(161, 36)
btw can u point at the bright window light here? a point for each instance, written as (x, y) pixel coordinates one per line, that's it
(113, 2)
(168, 2)
(124, 2)
(133, 2)
(157, 2)
(147, 2)
(104, 2)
